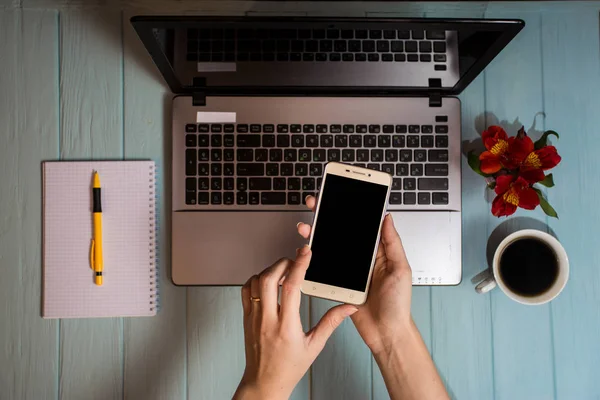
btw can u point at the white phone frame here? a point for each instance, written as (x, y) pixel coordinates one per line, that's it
(336, 293)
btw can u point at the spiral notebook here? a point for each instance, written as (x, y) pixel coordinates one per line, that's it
(130, 286)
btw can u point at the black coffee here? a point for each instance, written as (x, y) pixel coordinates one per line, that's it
(528, 267)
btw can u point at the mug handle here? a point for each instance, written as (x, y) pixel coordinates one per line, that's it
(486, 285)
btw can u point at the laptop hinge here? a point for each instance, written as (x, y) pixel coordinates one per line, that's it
(435, 94)
(199, 94)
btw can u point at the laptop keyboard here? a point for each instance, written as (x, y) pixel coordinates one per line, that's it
(308, 45)
(281, 164)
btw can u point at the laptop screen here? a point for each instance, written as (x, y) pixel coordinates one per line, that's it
(300, 55)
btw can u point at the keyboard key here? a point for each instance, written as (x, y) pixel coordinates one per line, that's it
(388, 168)
(308, 184)
(279, 183)
(433, 183)
(293, 184)
(275, 155)
(418, 34)
(374, 167)
(424, 47)
(406, 155)
(335, 129)
(400, 57)
(297, 140)
(441, 141)
(440, 198)
(260, 184)
(287, 169)
(228, 184)
(397, 184)
(341, 141)
(248, 140)
(203, 198)
(391, 155)
(216, 155)
(427, 141)
(312, 141)
(304, 155)
(402, 169)
(242, 198)
(321, 128)
(190, 162)
(370, 141)
(439, 58)
(410, 198)
(340, 46)
(269, 128)
(228, 140)
(389, 34)
(438, 156)
(282, 128)
(268, 141)
(368, 46)
(426, 129)
(190, 191)
(283, 141)
(414, 129)
(395, 198)
(191, 140)
(203, 169)
(301, 169)
(215, 169)
(228, 198)
(203, 183)
(216, 184)
(319, 155)
(261, 155)
(425, 57)
(203, 128)
(203, 155)
(410, 46)
(388, 129)
(355, 141)
(361, 34)
(347, 34)
(321, 57)
(347, 155)
(401, 128)
(254, 198)
(410, 184)
(439, 47)
(436, 169)
(361, 128)
(416, 169)
(354, 46)
(191, 128)
(242, 183)
(296, 128)
(420, 155)
(325, 46)
(215, 198)
(423, 198)
(373, 57)
(347, 57)
(441, 129)
(383, 46)
(272, 169)
(362, 155)
(333, 155)
(398, 141)
(203, 140)
(250, 169)
(290, 155)
(245, 155)
(228, 169)
(293, 198)
(326, 140)
(216, 128)
(412, 141)
(216, 140)
(376, 155)
(384, 140)
(412, 57)
(375, 34)
(319, 183)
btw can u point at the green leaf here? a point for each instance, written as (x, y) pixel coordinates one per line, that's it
(548, 181)
(474, 163)
(541, 142)
(548, 209)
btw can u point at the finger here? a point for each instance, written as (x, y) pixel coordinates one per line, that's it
(246, 299)
(256, 312)
(394, 251)
(290, 289)
(304, 229)
(311, 202)
(269, 287)
(327, 325)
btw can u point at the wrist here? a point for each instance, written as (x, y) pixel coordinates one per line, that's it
(255, 391)
(390, 344)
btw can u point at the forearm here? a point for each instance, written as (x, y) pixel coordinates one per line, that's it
(408, 370)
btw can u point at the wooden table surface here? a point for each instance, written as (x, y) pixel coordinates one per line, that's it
(76, 83)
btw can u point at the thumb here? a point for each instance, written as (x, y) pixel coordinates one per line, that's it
(329, 322)
(394, 251)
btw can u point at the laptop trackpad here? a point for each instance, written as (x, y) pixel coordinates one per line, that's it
(226, 248)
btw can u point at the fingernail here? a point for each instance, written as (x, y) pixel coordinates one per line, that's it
(298, 224)
(306, 198)
(351, 311)
(305, 250)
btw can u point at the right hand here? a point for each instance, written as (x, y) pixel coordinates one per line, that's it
(385, 316)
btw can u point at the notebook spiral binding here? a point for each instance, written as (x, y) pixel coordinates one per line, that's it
(154, 261)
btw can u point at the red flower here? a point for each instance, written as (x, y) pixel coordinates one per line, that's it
(495, 141)
(513, 193)
(531, 163)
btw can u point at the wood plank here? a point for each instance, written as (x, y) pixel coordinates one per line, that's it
(343, 369)
(92, 128)
(522, 342)
(157, 343)
(29, 135)
(572, 98)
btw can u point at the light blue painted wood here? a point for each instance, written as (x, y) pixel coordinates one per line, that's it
(91, 350)
(158, 343)
(521, 335)
(571, 71)
(28, 134)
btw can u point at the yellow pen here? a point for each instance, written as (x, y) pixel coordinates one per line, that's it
(96, 261)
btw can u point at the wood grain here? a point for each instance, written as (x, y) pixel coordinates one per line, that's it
(29, 135)
(571, 68)
(91, 351)
(155, 348)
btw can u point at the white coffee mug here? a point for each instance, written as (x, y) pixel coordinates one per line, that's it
(496, 279)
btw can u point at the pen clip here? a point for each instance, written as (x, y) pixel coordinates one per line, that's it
(92, 255)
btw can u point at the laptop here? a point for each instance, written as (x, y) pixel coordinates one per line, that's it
(262, 104)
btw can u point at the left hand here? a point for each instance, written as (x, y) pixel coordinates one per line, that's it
(278, 351)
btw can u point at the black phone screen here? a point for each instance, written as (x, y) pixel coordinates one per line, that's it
(346, 232)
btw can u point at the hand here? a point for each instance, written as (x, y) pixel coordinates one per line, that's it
(385, 316)
(278, 351)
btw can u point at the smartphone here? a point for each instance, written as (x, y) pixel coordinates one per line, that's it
(345, 234)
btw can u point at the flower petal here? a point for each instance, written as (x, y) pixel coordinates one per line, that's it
(503, 184)
(518, 150)
(548, 156)
(490, 164)
(528, 198)
(532, 175)
(500, 208)
(491, 136)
